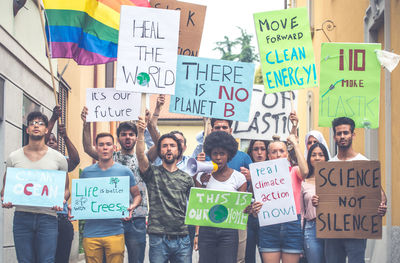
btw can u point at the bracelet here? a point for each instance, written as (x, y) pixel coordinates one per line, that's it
(196, 235)
(156, 115)
(139, 140)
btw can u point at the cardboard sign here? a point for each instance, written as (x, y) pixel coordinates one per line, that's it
(349, 196)
(147, 44)
(269, 115)
(286, 51)
(349, 84)
(213, 88)
(217, 208)
(272, 185)
(191, 27)
(34, 187)
(100, 198)
(105, 104)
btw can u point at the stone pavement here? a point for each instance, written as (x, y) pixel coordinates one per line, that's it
(146, 258)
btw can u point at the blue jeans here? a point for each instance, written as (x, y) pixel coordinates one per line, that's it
(253, 228)
(35, 237)
(285, 237)
(218, 245)
(336, 250)
(64, 240)
(313, 246)
(135, 239)
(176, 249)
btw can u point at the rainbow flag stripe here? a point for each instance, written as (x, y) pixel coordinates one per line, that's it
(85, 30)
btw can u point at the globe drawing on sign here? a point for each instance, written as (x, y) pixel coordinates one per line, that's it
(218, 213)
(143, 78)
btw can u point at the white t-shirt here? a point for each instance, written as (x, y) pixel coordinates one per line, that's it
(358, 157)
(232, 184)
(52, 160)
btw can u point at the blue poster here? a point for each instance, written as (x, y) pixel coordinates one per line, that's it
(34, 187)
(213, 88)
(100, 198)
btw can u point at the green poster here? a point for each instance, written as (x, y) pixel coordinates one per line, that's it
(217, 208)
(286, 51)
(349, 84)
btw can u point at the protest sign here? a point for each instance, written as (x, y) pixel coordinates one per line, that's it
(213, 88)
(106, 104)
(349, 84)
(191, 26)
(269, 115)
(100, 198)
(272, 185)
(286, 51)
(32, 187)
(147, 45)
(349, 196)
(217, 208)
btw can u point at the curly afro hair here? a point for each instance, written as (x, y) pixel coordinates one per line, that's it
(221, 139)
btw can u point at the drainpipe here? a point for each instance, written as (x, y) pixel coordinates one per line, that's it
(388, 134)
(94, 131)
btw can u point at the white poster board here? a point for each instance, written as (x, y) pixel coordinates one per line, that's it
(147, 50)
(272, 186)
(269, 115)
(107, 104)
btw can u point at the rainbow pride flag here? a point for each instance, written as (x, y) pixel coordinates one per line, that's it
(85, 30)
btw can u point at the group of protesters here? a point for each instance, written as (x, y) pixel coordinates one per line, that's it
(160, 186)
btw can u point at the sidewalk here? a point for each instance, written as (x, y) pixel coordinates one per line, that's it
(195, 257)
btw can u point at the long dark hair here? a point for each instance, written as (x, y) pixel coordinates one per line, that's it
(324, 151)
(251, 145)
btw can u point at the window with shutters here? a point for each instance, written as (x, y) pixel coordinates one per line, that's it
(63, 102)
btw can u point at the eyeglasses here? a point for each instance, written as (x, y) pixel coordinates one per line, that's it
(40, 123)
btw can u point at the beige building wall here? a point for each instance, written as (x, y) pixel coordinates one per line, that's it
(348, 18)
(348, 28)
(395, 131)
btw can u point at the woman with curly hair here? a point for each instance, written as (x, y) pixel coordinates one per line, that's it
(220, 244)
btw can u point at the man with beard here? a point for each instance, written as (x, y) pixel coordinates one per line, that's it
(135, 229)
(336, 250)
(168, 189)
(36, 228)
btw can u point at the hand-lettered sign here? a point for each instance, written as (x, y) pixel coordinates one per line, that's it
(286, 51)
(349, 196)
(191, 27)
(269, 115)
(349, 84)
(147, 45)
(213, 88)
(272, 185)
(34, 187)
(106, 104)
(100, 198)
(217, 208)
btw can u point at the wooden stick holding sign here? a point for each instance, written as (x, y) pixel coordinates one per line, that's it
(143, 106)
(295, 122)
